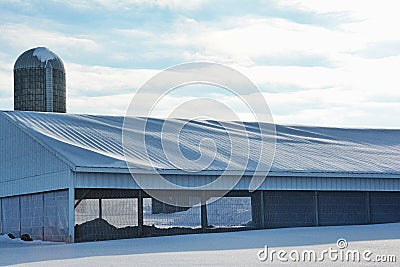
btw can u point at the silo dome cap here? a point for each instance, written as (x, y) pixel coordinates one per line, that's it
(38, 57)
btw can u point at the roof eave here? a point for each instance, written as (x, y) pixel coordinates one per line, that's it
(246, 173)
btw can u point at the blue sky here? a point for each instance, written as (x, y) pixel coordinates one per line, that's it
(317, 62)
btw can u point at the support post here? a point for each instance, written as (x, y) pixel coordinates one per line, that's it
(204, 219)
(258, 209)
(1, 217)
(71, 215)
(20, 216)
(368, 207)
(100, 209)
(316, 208)
(43, 216)
(140, 213)
(262, 209)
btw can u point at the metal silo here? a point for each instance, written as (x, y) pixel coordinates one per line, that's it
(39, 81)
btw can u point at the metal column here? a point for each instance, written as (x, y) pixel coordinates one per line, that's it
(71, 214)
(100, 209)
(368, 207)
(140, 213)
(203, 212)
(316, 208)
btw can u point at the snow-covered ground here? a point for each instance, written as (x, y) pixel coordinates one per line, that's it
(222, 249)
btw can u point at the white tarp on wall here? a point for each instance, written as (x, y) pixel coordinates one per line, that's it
(32, 215)
(10, 215)
(43, 216)
(56, 216)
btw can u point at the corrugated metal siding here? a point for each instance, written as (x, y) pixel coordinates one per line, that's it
(385, 207)
(104, 180)
(35, 184)
(325, 184)
(118, 180)
(341, 208)
(289, 208)
(26, 166)
(1, 217)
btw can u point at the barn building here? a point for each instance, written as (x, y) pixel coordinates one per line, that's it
(63, 177)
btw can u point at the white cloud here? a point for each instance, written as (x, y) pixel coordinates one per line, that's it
(245, 39)
(118, 4)
(353, 84)
(22, 37)
(374, 115)
(6, 83)
(371, 21)
(83, 80)
(298, 77)
(180, 4)
(105, 105)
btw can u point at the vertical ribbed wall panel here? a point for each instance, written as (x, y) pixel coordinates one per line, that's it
(289, 208)
(385, 207)
(1, 221)
(341, 208)
(27, 166)
(325, 183)
(121, 180)
(104, 180)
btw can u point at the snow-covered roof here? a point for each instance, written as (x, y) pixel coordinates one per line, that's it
(38, 57)
(95, 141)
